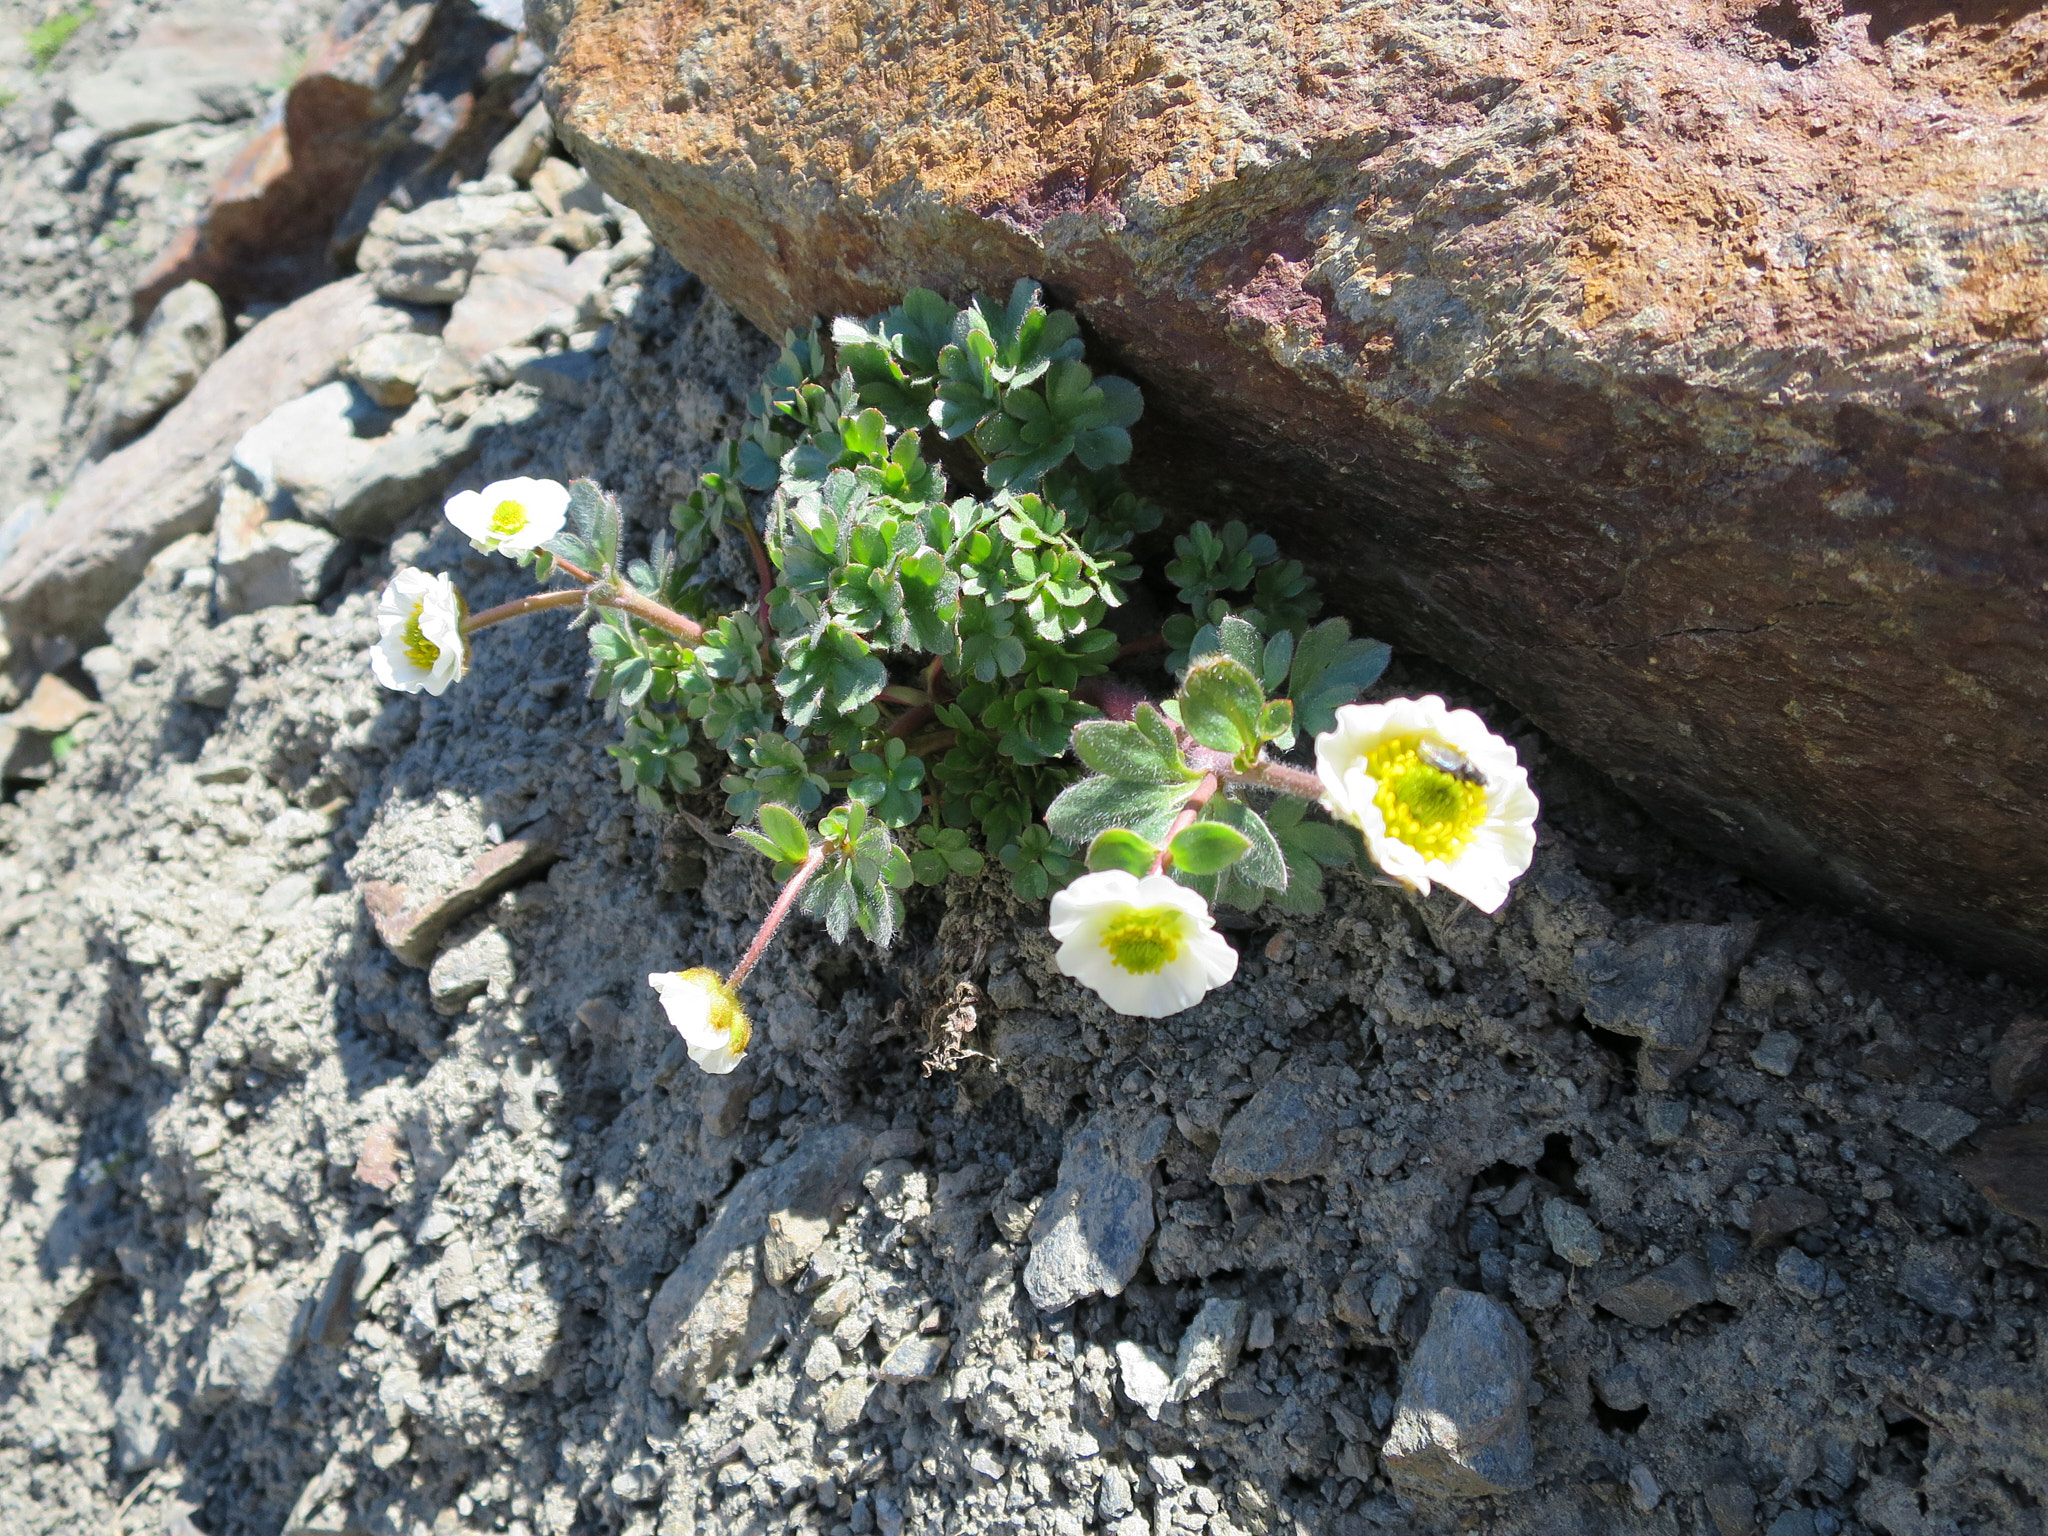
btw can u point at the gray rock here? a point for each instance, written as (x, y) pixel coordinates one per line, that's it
(1146, 1381)
(562, 186)
(1210, 1347)
(1573, 1236)
(1783, 1212)
(426, 255)
(265, 562)
(1940, 1125)
(516, 295)
(468, 969)
(1793, 1522)
(1090, 1235)
(1652, 1300)
(1113, 1493)
(2019, 1066)
(1802, 1274)
(1776, 1053)
(1621, 1387)
(571, 376)
(141, 1438)
(178, 344)
(1936, 1282)
(1461, 1428)
(69, 570)
(716, 1313)
(196, 62)
(1664, 1120)
(1663, 989)
(389, 368)
(1731, 1505)
(381, 491)
(1285, 1131)
(916, 1358)
(520, 153)
(843, 1404)
(246, 1359)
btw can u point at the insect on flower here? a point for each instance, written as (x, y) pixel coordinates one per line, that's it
(1440, 798)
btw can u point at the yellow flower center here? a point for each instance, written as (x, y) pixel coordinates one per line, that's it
(419, 650)
(1143, 939)
(727, 1016)
(1431, 811)
(508, 519)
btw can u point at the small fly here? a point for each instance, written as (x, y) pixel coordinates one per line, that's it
(1448, 759)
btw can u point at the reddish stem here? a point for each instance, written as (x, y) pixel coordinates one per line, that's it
(1190, 813)
(909, 720)
(1143, 646)
(519, 607)
(1297, 782)
(776, 914)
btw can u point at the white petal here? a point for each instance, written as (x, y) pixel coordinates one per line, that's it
(1092, 896)
(471, 516)
(717, 1060)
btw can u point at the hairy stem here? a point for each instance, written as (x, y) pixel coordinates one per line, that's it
(519, 607)
(776, 913)
(648, 611)
(1297, 782)
(1190, 813)
(910, 720)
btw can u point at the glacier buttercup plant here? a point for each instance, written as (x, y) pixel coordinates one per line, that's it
(510, 517)
(1147, 947)
(882, 630)
(1440, 799)
(420, 645)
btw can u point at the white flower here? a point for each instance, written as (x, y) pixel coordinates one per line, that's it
(1439, 797)
(707, 1015)
(510, 517)
(1146, 947)
(419, 634)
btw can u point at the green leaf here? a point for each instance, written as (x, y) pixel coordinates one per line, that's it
(833, 671)
(1220, 704)
(1121, 849)
(1141, 750)
(1276, 723)
(1086, 810)
(1263, 862)
(1330, 670)
(1206, 848)
(781, 827)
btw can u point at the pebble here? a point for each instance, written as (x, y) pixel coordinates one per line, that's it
(1802, 1274)
(1145, 1377)
(1573, 1236)
(823, 1360)
(1283, 1133)
(916, 1358)
(1209, 1348)
(1113, 1494)
(1940, 1125)
(1093, 1230)
(1776, 1053)
(1783, 1212)
(1664, 1120)
(1652, 1300)
(1935, 1281)
(1663, 989)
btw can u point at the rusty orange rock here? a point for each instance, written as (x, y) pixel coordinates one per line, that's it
(1675, 367)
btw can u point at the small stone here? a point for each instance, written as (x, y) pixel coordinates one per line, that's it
(1664, 989)
(195, 62)
(1800, 1522)
(245, 1360)
(1621, 1387)
(1145, 1379)
(1573, 1236)
(413, 930)
(1783, 1212)
(985, 1464)
(823, 1360)
(1652, 1300)
(1245, 1405)
(1113, 1493)
(1776, 1053)
(1643, 1491)
(722, 1099)
(178, 344)
(334, 1312)
(916, 1358)
(479, 964)
(2019, 1066)
(389, 1449)
(266, 562)
(426, 255)
(1934, 1280)
(1801, 1274)
(1091, 1234)
(1536, 1286)
(561, 185)
(844, 1403)
(521, 152)
(1209, 1348)
(52, 707)
(1731, 1505)
(1284, 1132)
(389, 368)
(637, 1482)
(571, 377)
(516, 295)
(1461, 1428)
(838, 1300)
(141, 1438)
(377, 1158)
(1664, 1120)
(1940, 1125)
(1260, 1334)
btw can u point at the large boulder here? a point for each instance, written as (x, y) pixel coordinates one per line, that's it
(1676, 370)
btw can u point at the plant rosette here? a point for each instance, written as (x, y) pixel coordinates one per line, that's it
(707, 1014)
(420, 645)
(1147, 947)
(1440, 799)
(510, 517)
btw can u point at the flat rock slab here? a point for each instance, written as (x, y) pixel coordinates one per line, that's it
(196, 61)
(1286, 1131)
(1663, 989)
(1092, 1232)
(70, 570)
(1671, 370)
(1652, 1300)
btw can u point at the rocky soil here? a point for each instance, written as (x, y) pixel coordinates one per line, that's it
(355, 1184)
